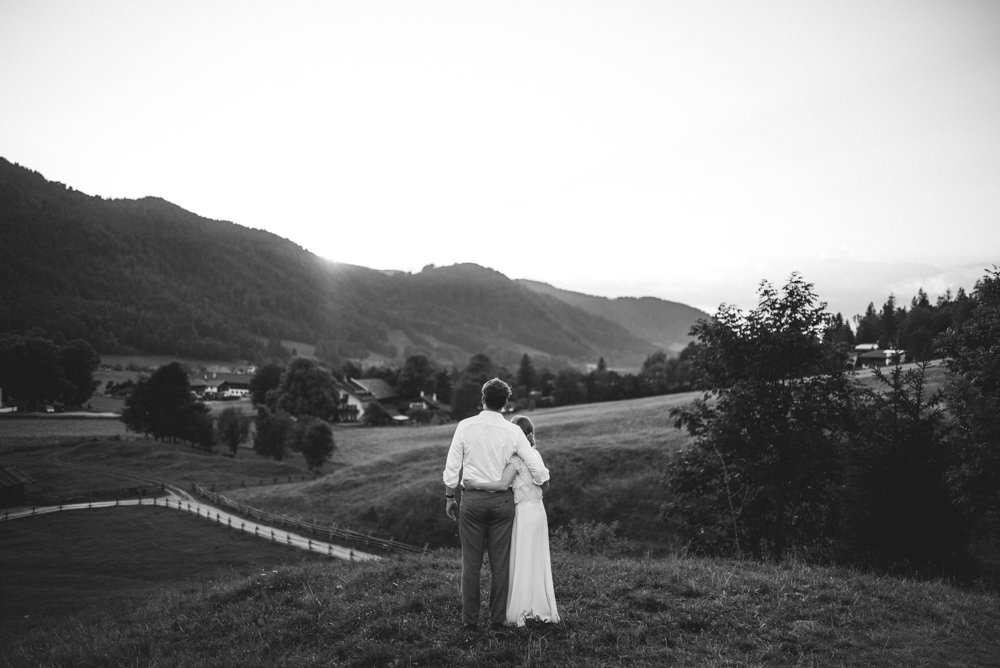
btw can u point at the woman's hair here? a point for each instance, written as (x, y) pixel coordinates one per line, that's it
(524, 422)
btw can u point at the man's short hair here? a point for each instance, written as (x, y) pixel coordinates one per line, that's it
(496, 393)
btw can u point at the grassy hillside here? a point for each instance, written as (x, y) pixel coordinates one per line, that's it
(607, 462)
(151, 587)
(616, 612)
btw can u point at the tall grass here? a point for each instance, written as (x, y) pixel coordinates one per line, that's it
(607, 463)
(617, 612)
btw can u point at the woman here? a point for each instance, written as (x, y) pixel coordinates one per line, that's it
(531, 594)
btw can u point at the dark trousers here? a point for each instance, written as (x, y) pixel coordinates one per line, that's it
(485, 522)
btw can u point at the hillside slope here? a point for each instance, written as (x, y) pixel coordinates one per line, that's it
(615, 612)
(146, 275)
(663, 323)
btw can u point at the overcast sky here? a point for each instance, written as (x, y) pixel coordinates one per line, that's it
(684, 150)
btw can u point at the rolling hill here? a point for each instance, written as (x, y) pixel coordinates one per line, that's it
(148, 276)
(663, 323)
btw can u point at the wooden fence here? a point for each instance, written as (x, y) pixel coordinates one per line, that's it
(329, 533)
(223, 519)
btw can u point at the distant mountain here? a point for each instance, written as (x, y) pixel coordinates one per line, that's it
(663, 323)
(145, 275)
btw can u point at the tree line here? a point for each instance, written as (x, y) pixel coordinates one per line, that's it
(791, 456)
(295, 414)
(911, 328)
(36, 372)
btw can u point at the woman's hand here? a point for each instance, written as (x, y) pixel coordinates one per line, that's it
(471, 484)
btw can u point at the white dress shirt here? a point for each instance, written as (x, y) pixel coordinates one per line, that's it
(484, 444)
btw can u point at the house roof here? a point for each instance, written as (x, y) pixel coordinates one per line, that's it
(216, 379)
(377, 387)
(11, 476)
(880, 354)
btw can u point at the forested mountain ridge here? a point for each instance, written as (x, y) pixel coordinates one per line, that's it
(663, 323)
(146, 275)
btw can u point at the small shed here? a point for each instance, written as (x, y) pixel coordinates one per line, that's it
(12, 482)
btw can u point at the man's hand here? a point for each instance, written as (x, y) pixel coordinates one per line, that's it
(451, 508)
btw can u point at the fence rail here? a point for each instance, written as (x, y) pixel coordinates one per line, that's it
(330, 533)
(222, 519)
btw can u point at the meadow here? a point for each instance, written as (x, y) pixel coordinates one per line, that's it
(152, 587)
(256, 609)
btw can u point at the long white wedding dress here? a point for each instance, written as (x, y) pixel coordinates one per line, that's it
(531, 594)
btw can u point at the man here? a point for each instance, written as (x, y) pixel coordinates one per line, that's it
(480, 449)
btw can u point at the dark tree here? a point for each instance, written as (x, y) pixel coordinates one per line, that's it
(767, 433)
(466, 400)
(375, 415)
(273, 430)
(267, 378)
(78, 362)
(35, 372)
(569, 388)
(163, 406)
(527, 378)
(314, 439)
(232, 428)
(416, 377)
(306, 389)
(972, 349)
(897, 511)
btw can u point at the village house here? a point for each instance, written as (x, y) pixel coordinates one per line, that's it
(12, 486)
(356, 394)
(214, 385)
(869, 355)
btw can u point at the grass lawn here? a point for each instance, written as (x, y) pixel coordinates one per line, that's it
(81, 563)
(616, 612)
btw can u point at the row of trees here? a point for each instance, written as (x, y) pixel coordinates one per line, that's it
(292, 418)
(36, 372)
(295, 406)
(533, 388)
(790, 456)
(912, 328)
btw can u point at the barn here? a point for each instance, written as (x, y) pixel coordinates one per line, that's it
(12, 483)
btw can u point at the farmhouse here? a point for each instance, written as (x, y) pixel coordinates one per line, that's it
(12, 483)
(356, 394)
(880, 358)
(221, 386)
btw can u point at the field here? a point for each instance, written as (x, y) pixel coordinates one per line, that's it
(150, 587)
(66, 564)
(405, 612)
